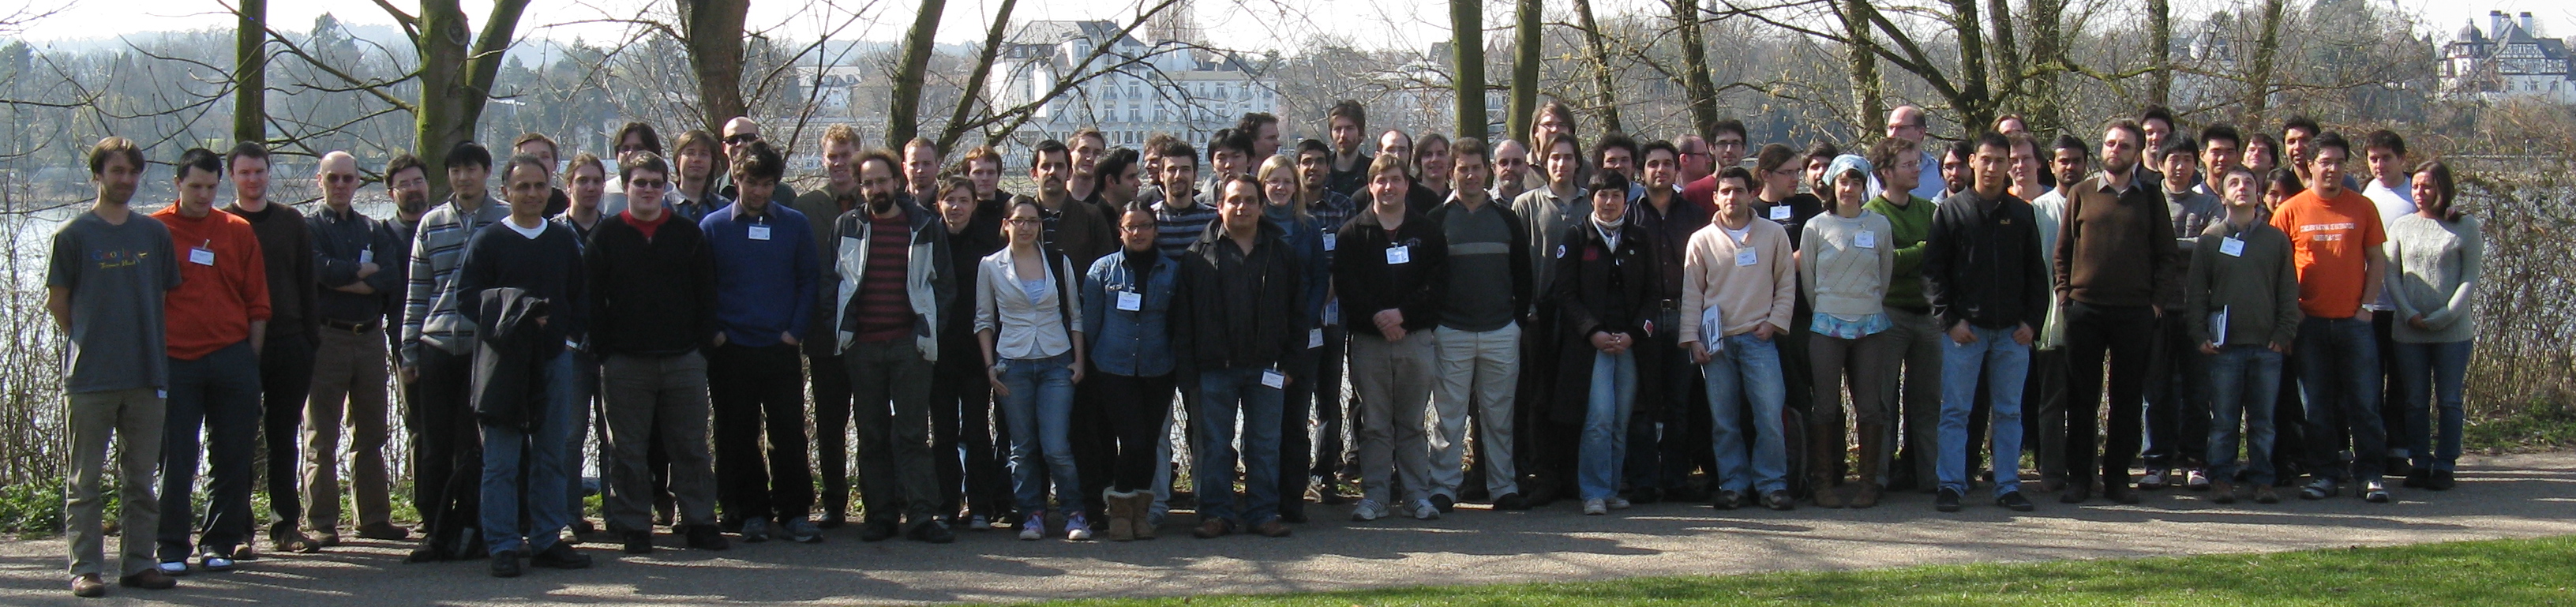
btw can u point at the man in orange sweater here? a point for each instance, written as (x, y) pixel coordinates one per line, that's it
(216, 320)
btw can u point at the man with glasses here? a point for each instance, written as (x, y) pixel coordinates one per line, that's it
(739, 133)
(1726, 149)
(1908, 122)
(352, 254)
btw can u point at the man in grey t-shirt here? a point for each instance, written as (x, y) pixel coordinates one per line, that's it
(104, 286)
(1478, 341)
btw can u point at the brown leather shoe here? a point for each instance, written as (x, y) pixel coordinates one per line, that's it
(149, 579)
(88, 586)
(383, 531)
(1274, 528)
(1213, 528)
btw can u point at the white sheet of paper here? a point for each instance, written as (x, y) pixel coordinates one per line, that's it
(1399, 254)
(1314, 338)
(1130, 301)
(760, 232)
(1746, 257)
(1780, 213)
(1865, 239)
(366, 256)
(1330, 240)
(2218, 326)
(2233, 247)
(1273, 378)
(201, 256)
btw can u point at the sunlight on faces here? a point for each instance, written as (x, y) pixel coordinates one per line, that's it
(1992, 167)
(839, 158)
(1137, 230)
(409, 188)
(2120, 148)
(117, 179)
(1851, 189)
(2069, 165)
(2275, 194)
(1314, 168)
(1387, 189)
(876, 184)
(2217, 155)
(755, 191)
(1563, 163)
(1662, 168)
(469, 181)
(1180, 179)
(957, 207)
(1551, 126)
(694, 162)
(1726, 151)
(2178, 169)
(644, 191)
(2025, 163)
(197, 190)
(588, 183)
(1279, 187)
(527, 188)
(1905, 122)
(634, 142)
(1734, 198)
(1783, 180)
(1266, 139)
(921, 165)
(2327, 171)
(1088, 149)
(987, 175)
(1051, 171)
(2158, 132)
(1395, 143)
(1511, 160)
(337, 174)
(540, 149)
(250, 178)
(1345, 133)
(1619, 160)
(1434, 159)
(1023, 226)
(1469, 172)
(2011, 126)
(1240, 205)
(2294, 142)
(2241, 189)
(1125, 184)
(2258, 156)
(1815, 171)
(1901, 176)
(2425, 190)
(2383, 162)
(1609, 206)
(1228, 161)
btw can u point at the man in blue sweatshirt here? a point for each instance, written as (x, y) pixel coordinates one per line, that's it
(766, 270)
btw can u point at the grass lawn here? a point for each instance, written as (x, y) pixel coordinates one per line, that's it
(2503, 572)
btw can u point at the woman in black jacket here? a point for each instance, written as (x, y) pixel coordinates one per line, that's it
(1606, 283)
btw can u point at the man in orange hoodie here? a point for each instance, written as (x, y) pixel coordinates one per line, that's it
(216, 320)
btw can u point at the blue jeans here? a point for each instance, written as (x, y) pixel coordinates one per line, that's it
(2339, 371)
(1747, 370)
(545, 445)
(2446, 366)
(1039, 411)
(218, 392)
(2004, 363)
(2243, 380)
(1605, 423)
(1222, 394)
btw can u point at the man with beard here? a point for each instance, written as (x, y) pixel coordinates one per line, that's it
(286, 364)
(823, 365)
(895, 284)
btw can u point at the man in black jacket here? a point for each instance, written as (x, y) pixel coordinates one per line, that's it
(1237, 327)
(1389, 272)
(652, 314)
(1478, 360)
(541, 259)
(1988, 284)
(353, 261)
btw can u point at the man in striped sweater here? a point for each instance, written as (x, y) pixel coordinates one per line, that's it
(437, 360)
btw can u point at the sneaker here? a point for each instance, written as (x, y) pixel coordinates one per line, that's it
(2321, 489)
(2375, 492)
(1729, 499)
(560, 556)
(2154, 479)
(216, 563)
(639, 542)
(149, 579)
(505, 564)
(707, 537)
(1368, 510)
(1005, 523)
(1032, 527)
(1594, 507)
(877, 531)
(2016, 502)
(755, 531)
(933, 531)
(1425, 510)
(1616, 503)
(1779, 500)
(174, 568)
(2196, 480)
(1947, 500)
(1076, 529)
(801, 531)
(1511, 501)
(1444, 503)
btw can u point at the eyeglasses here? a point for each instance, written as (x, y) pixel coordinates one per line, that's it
(1023, 221)
(741, 139)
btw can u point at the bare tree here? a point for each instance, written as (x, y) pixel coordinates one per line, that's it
(250, 72)
(712, 32)
(1605, 84)
(903, 118)
(1467, 27)
(1527, 45)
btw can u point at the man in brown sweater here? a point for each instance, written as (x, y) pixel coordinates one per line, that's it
(286, 366)
(2118, 269)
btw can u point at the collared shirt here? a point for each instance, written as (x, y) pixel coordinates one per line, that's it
(342, 241)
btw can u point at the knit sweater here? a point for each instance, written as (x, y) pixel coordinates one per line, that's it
(1909, 225)
(286, 251)
(1746, 295)
(2257, 287)
(1840, 276)
(2433, 271)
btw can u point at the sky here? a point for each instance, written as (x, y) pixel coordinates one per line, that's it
(1248, 24)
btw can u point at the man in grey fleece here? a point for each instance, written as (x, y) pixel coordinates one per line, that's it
(2241, 306)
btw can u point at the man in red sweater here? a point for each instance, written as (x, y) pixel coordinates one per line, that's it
(216, 321)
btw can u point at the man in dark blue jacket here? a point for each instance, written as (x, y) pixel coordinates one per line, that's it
(766, 270)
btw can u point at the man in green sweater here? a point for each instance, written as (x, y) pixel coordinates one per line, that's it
(1899, 170)
(2241, 308)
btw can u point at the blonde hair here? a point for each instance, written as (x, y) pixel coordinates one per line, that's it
(1285, 164)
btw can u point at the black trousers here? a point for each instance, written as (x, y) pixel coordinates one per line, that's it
(2123, 334)
(756, 393)
(447, 451)
(1135, 408)
(285, 379)
(961, 412)
(830, 379)
(1330, 414)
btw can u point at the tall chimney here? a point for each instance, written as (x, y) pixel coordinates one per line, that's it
(2526, 25)
(2495, 24)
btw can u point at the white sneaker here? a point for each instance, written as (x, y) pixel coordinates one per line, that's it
(1617, 503)
(1424, 510)
(1595, 507)
(1033, 527)
(2154, 479)
(2196, 480)
(1076, 529)
(1368, 510)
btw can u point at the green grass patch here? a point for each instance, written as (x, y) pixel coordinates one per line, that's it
(2543, 424)
(2503, 572)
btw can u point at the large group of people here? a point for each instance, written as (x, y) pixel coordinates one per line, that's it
(1553, 319)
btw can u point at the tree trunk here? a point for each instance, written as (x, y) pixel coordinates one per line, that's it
(2160, 51)
(1869, 95)
(1605, 84)
(1526, 47)
(1695, 78)
(993, 40)
(250, 73)
(455, 79)
(2048, 53)
(1976, 100)
(2003, 50)
(713, 37)
(2258, 80)
(903, 119)
(1467, 27)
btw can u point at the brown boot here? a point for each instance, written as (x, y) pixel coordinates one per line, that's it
(1122, 516)
(1141, 503)
(1873, 457)
(1821, 460)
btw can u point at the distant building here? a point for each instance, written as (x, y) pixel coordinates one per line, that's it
(1133, 89)
(2507, 60)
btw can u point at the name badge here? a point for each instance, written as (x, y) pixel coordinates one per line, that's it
(1330, 240)
(1314, 338)
(1746, 257)
(2232, 247)
(760, 232)
(1866, 239)
(1130, 301)
(1780, 213)
(1399, 254)
(1273, 378)
(366, 256)
(201, 256)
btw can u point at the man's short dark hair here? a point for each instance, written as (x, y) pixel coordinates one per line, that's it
(113, 147)
(1314, 145)
(2299, 122)
(1348, 108)
(2385, 139)
(2070, 142)
(652, 138)
(1824, 148)
(1658, 145)
(1772, 156)
(1738, 174)
(1229, 139)
(1614, 139)
(1178, 149)
(246, 149)
(2179, 144)
(1115, 162)
(1252, 122)
(894, 167)
(2159, 112)
(1038, 153)
(758, 160)
(201, 159)
(1729, 125)
(2331, 139)
(1470, 146)
(1963, 149)
(468, 153)
(639, 161)
(1991, 139)
(526, 138)
(1884, 155)
(2131, 127)
(2222, 131)
(404, 162)
(528, 160)
(1607, 181)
